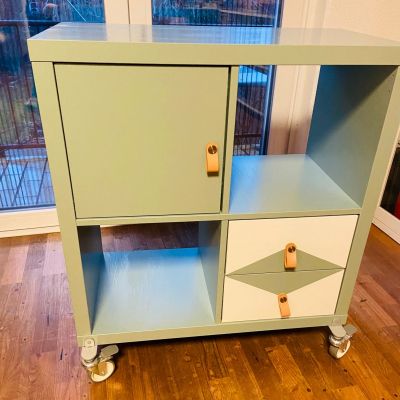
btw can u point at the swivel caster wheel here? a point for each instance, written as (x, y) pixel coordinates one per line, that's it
(339, 340)
(337, 352)
(108, 370)
(99, 367)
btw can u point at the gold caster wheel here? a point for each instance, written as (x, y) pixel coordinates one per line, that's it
(337, 352)
(106, 372)
(99, 367)
(339, 339)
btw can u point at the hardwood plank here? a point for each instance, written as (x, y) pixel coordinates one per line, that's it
(324, 374)
(291, 377)
(358, 367)
(114, 389)
(140, 374)
(368, 306)
(14, 369)
(53, 263)
(349, 393)
(42, 368)
(239, 368)
(11, 300)
(14, 266)
(5, 248)
(266, 375)
(183, 371)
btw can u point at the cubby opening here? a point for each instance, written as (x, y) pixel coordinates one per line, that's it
(333, 174)
(150, 277)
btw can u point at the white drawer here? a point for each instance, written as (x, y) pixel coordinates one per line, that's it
(258, 246)
(255, 296)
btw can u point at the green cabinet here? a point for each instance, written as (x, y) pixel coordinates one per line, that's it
(128, 112)
(136, 137)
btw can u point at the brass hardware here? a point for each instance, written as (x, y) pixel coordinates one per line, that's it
(290, 260)
(283, 305)
(212, 149)
(102, 368)
(212, 158)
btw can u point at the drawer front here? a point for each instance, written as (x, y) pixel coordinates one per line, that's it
(257, 246)
(136, 137)
(255, 296)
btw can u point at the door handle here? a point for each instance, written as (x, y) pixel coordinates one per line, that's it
(212, 158)
(283, 305)
(290, 256)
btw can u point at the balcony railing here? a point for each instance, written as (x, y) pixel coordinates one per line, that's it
(24, 175)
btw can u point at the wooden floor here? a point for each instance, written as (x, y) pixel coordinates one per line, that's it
(40, 360)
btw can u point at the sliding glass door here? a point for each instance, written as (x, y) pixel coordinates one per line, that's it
(255, 82)
(24, 172)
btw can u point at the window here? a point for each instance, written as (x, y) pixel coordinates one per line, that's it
(255, 82)
(24, 172)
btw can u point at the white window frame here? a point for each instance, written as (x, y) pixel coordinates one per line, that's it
(295, 86)
(293, 83)
(385, 221)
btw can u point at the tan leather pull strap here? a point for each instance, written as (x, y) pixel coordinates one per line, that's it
(212, 158)
(290, 256)
(283, 305)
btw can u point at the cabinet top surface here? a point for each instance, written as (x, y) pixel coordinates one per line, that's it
(214, 45)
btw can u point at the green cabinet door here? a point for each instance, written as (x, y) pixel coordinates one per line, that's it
(136, 137)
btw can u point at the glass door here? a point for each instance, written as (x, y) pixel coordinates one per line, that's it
(255, 82)
(24, 172)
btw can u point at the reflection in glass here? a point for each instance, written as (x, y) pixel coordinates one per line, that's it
(255, 82)
(24, 173)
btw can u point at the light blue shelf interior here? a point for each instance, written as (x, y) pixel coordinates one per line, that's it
(149, 290)
(290, 183)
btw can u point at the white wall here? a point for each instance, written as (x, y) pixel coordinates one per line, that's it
(295, 86)
(372, 17)
(377, 18)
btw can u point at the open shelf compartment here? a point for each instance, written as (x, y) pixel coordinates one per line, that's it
(332, 177)
(153, 289)
(289, 183)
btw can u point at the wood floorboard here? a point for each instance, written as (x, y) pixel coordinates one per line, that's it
(39, 358)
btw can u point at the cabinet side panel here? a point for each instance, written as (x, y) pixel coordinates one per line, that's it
(348, 116)
(212, 242)
(379, 167)
(92, 263)
(229, 136)
(209, 244)
(53, 130)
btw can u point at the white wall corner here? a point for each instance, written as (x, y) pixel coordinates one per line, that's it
(140, 12)
(295, 86)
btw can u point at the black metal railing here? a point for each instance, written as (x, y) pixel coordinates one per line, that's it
(20, 126)
(24, 174)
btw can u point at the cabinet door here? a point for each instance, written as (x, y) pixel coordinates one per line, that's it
(136, 137)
